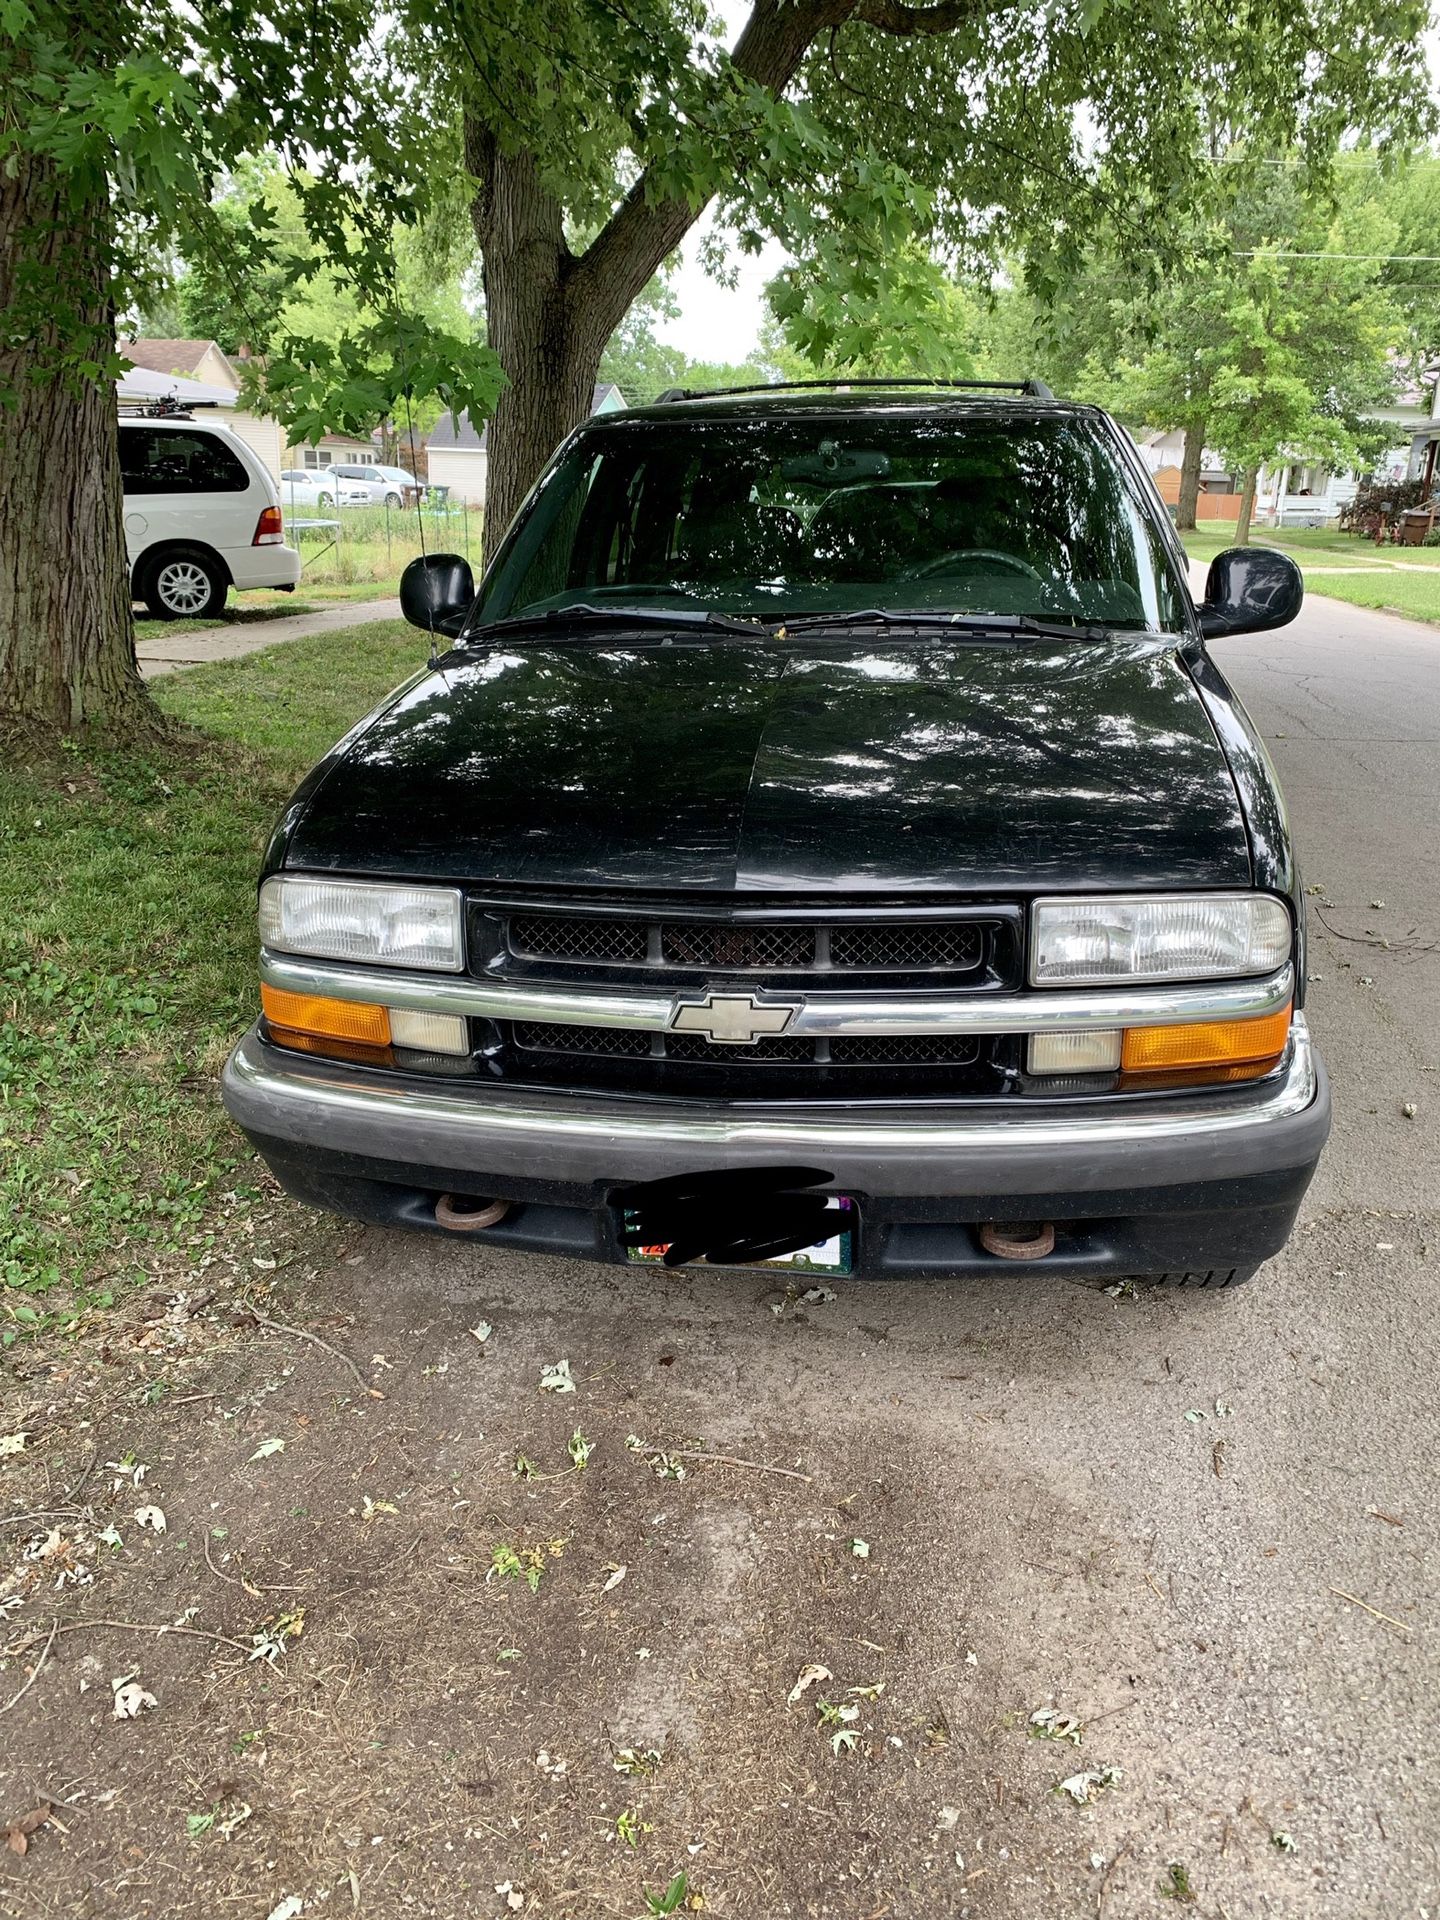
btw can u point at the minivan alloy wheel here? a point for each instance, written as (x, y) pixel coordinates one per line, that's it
(183, 586)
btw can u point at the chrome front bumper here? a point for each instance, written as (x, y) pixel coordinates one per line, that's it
(819, 1014)
(478, 1137)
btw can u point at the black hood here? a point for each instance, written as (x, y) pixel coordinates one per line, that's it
(848, 765)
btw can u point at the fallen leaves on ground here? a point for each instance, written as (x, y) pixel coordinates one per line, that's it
(1085, 1787)
(806, 1678)
(131, 1700)
(17, 1834)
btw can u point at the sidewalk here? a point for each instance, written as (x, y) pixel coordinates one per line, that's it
(173, 651)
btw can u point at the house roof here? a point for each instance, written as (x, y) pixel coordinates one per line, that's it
(464, 437)
(169, 356)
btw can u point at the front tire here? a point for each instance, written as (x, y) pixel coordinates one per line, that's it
(324, 502)
(183, 583)
(1212, 1277)
(393, 500)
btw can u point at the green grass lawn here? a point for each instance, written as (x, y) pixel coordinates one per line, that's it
(128, 962)
(373, 548)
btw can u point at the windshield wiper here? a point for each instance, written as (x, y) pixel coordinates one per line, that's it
(584, 614)
(997, 626)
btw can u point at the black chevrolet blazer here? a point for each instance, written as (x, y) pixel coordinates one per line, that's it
(824, 840)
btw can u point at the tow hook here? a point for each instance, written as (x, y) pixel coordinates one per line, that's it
(458, 1213)
(1018, 1239)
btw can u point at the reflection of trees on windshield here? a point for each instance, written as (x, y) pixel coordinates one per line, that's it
(795, 514)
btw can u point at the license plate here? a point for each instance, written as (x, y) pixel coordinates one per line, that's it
(835, 1255)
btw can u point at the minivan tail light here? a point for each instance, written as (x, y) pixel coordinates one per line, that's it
(269, 528)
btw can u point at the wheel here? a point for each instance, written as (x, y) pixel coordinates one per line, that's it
(183, 583)
(1213, 1277)
(325, 500)
(393, 500)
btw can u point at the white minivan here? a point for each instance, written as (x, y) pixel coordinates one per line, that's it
(202, 515)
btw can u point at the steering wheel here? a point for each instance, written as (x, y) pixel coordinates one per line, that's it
(943, 565)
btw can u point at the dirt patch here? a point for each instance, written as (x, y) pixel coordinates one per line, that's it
(432, 1678)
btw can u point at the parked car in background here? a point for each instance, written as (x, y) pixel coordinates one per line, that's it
(386, 486)
(202, 515)
(320, 489)
(828, 835)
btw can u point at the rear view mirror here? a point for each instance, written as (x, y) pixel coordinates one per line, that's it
(834, 465)
(437, 592)
(1250, 590)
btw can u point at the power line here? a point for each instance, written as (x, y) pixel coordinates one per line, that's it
(1398, 259)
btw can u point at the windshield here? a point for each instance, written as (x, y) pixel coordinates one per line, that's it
(776, 518)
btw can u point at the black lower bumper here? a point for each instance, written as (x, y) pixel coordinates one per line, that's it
(1206, 1186)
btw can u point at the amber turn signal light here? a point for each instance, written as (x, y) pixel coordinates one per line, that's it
(1250, 1045)
(308, 1021)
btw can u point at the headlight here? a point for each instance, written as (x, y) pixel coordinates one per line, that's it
(388, 926)
(1157, 937)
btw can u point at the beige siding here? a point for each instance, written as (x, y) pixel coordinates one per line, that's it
(462, 469)
(262, 435)
(216, 370)
(337, 454)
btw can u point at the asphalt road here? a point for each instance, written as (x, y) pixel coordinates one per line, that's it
(1239, 1599)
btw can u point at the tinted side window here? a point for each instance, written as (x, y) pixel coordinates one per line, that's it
(156, 460)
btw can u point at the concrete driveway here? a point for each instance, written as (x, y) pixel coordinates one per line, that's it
(549, 1639)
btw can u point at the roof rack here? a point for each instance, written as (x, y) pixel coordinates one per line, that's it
(1032, 389)
(162, 406)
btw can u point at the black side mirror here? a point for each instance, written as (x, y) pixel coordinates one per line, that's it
(1249, 590)
(437, 592)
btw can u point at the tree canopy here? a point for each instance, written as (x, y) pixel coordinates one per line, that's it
(870, 137)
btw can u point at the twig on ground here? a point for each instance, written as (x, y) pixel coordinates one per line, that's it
(189, 1399)
(90, 1467)
(303, 1333)
(1110, 1866)
(228, 1578)
(1356, 1601)
(41, 1513)
(246, 1586)
(728, 1460)
(147, 1626)
(34, 1671)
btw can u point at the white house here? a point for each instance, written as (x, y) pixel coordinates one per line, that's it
(1302, 493)
(459, 455)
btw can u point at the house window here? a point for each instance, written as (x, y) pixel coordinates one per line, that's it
(318, 457)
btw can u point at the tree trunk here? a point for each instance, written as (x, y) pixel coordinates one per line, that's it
(67, 640)
(550, 314)
(1190, 467)
(550, 348)
(1247, 509)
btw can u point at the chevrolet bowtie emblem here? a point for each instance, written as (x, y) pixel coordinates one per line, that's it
(733, 1019)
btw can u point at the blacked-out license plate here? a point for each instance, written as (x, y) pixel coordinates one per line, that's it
(835, 1255)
